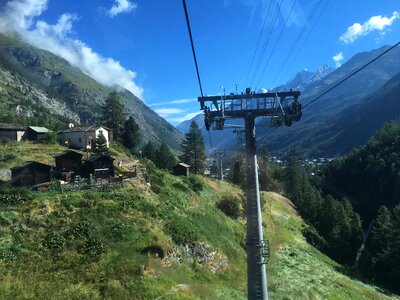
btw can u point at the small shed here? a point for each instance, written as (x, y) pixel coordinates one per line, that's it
(12, 132)
(38, 134)
(100, 165)
(181, 169)
(68, 161)
(68, 165)
(30, 173)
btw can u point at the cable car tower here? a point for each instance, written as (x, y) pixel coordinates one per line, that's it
(281, 108)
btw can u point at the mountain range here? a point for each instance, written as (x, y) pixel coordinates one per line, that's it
(40, 88)
(342, 119)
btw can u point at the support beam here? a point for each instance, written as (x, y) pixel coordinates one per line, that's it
(256, 272)
(283, 108)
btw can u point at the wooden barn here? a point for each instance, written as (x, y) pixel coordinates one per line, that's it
(100, 166)
(12, 132)
(30, 173)
(68, 161)
(181, 169)
(68, 165)
(38, 134)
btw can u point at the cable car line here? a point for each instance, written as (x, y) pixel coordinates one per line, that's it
(297, 40)
(192, 44)
(276, 43)
(307, 37)
(258, 43)
(266, 41)
(351, 75)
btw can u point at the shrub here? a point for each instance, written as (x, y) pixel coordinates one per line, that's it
(54, 242)
(196, 183)
(230, 206)
(93, 248)
(4, 157)
(312, 236)
(8, 255)
(70, 201)
(181, 230)
(157, 182)
(81, 229)
(13, 196)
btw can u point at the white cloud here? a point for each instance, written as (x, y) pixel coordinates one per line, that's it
(121, 6)
(338, 59)
(17, 17)
(165, 112)
(184, 118)
(179, 101)
(374, 23)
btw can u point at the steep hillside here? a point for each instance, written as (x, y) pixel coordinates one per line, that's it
(36, 79)
(357, 123)
(167, 241)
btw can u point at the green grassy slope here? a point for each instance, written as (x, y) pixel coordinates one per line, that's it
(124, 244)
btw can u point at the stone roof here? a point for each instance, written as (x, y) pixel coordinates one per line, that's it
(27, 163)
(77, 129)
(39, 129)
(94, 157)
(9, 126)
(67, 152)
(82, 129)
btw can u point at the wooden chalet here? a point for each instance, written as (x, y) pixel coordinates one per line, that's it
(181, 169)
(99, 166)
(30, 173)
(12, 132)
(38, 134)
(68, 164)
(68, 161)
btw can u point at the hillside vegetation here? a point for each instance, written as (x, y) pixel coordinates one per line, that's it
(166, 241)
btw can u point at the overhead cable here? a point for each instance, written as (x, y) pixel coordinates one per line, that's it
(193, 48)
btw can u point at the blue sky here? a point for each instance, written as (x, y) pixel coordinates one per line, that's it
(143, 45)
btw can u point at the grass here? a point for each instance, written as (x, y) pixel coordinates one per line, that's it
(103, 245)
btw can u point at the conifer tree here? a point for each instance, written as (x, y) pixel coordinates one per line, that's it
(193, 149)
(150, 151)
(113, 116)
(236, 174)
(130, 137)
(100, 145)
(164, 158)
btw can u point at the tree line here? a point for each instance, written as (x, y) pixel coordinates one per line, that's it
(369, 177)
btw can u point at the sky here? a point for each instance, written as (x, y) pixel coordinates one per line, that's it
(143, 45)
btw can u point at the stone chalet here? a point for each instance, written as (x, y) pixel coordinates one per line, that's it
(83, 137)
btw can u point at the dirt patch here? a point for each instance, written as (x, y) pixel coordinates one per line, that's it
(212, 184)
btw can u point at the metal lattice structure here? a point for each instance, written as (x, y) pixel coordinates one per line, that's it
(282, 108)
